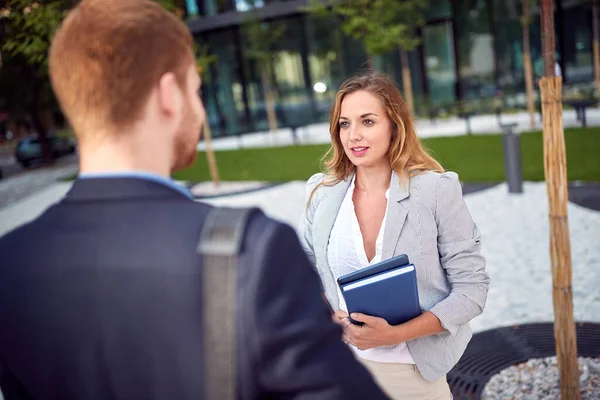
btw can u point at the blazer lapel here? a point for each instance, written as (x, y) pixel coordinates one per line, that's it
(396, 215)
(334, 195)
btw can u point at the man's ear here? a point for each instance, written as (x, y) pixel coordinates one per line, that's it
(169, 96)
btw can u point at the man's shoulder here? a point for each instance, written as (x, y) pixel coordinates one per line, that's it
(14, 240)
(261, 230)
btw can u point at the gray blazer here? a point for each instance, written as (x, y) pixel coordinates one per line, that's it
(429, 221)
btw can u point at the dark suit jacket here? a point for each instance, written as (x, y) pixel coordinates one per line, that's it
(100, 298)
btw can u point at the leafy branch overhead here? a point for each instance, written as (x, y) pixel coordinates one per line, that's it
(382, 25)
(31, 26)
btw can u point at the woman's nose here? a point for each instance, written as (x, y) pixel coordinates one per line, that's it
(355, 133)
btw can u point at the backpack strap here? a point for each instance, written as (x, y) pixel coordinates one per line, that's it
(220, 244)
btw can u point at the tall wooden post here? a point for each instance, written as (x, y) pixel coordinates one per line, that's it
(406, 81)
(210, 154)
(527, 64)
(555, 167)
(269, 103)
(596, 45)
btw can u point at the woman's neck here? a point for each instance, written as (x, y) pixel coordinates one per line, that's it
(375, 178)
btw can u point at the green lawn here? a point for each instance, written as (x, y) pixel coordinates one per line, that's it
(476, 158)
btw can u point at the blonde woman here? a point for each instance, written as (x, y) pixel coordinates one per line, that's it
(382, 195)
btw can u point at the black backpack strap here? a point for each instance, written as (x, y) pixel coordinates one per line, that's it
(220, 245)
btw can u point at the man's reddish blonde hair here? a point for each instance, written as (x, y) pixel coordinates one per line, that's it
(107, 57)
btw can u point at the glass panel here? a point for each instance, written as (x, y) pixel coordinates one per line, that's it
(286, 76)
(578, 59)
(325, 62)
(289, 82)
(209, 8)
(509, 49)
(225, 5)
(191, 7)
(535, 44)
(223, 89)
(439, 9)
(475, 49)
(247, 5)
(439, 64)
(416, 78)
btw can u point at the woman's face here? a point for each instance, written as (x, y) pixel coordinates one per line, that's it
(365, 130)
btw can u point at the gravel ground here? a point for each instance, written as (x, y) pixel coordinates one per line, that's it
(538, 379)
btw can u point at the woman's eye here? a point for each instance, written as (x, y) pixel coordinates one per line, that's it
(343, 124)
(368, 122)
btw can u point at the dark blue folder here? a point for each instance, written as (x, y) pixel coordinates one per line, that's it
(387, 290)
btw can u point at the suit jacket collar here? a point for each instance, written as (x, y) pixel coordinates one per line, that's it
(121, 188)
(396, 215)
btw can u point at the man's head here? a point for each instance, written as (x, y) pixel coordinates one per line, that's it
(121, 66)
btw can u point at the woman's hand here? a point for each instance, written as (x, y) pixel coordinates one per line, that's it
(375, 332)
(341, 318)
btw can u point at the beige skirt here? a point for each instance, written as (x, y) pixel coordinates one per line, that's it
(404, 382)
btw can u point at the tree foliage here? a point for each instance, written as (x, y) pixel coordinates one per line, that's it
(30, 27)
(381, 25)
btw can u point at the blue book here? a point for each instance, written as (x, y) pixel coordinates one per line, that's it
(387, 290)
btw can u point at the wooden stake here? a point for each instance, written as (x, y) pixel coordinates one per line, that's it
(555, 167)
(406, 82)
(527, 65)
(269, 104)
(210, 155)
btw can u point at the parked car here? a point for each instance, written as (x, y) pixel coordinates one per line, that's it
(29, 149)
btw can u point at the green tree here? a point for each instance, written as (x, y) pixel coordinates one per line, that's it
(381, 25)
(259, 48)
(29, 30)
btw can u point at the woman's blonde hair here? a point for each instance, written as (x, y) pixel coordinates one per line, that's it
(406, 153)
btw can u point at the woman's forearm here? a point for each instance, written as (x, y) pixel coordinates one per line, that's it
(425, 324)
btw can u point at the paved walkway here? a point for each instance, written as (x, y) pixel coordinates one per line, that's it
(24, 183)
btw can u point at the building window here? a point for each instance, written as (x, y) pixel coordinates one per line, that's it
(475, 49)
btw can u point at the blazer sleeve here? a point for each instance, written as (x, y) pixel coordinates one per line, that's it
(306, 220)
(459, 247)
(294, 348)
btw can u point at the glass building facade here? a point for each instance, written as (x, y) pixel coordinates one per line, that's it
(471, 50)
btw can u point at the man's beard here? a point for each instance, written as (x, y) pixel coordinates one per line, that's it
(186, 140)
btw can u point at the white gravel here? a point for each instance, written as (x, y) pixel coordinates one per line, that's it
(538, 379)
(204, 189)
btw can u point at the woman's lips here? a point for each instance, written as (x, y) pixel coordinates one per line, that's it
(359, 150)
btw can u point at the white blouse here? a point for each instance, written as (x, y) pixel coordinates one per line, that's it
(346, 254)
